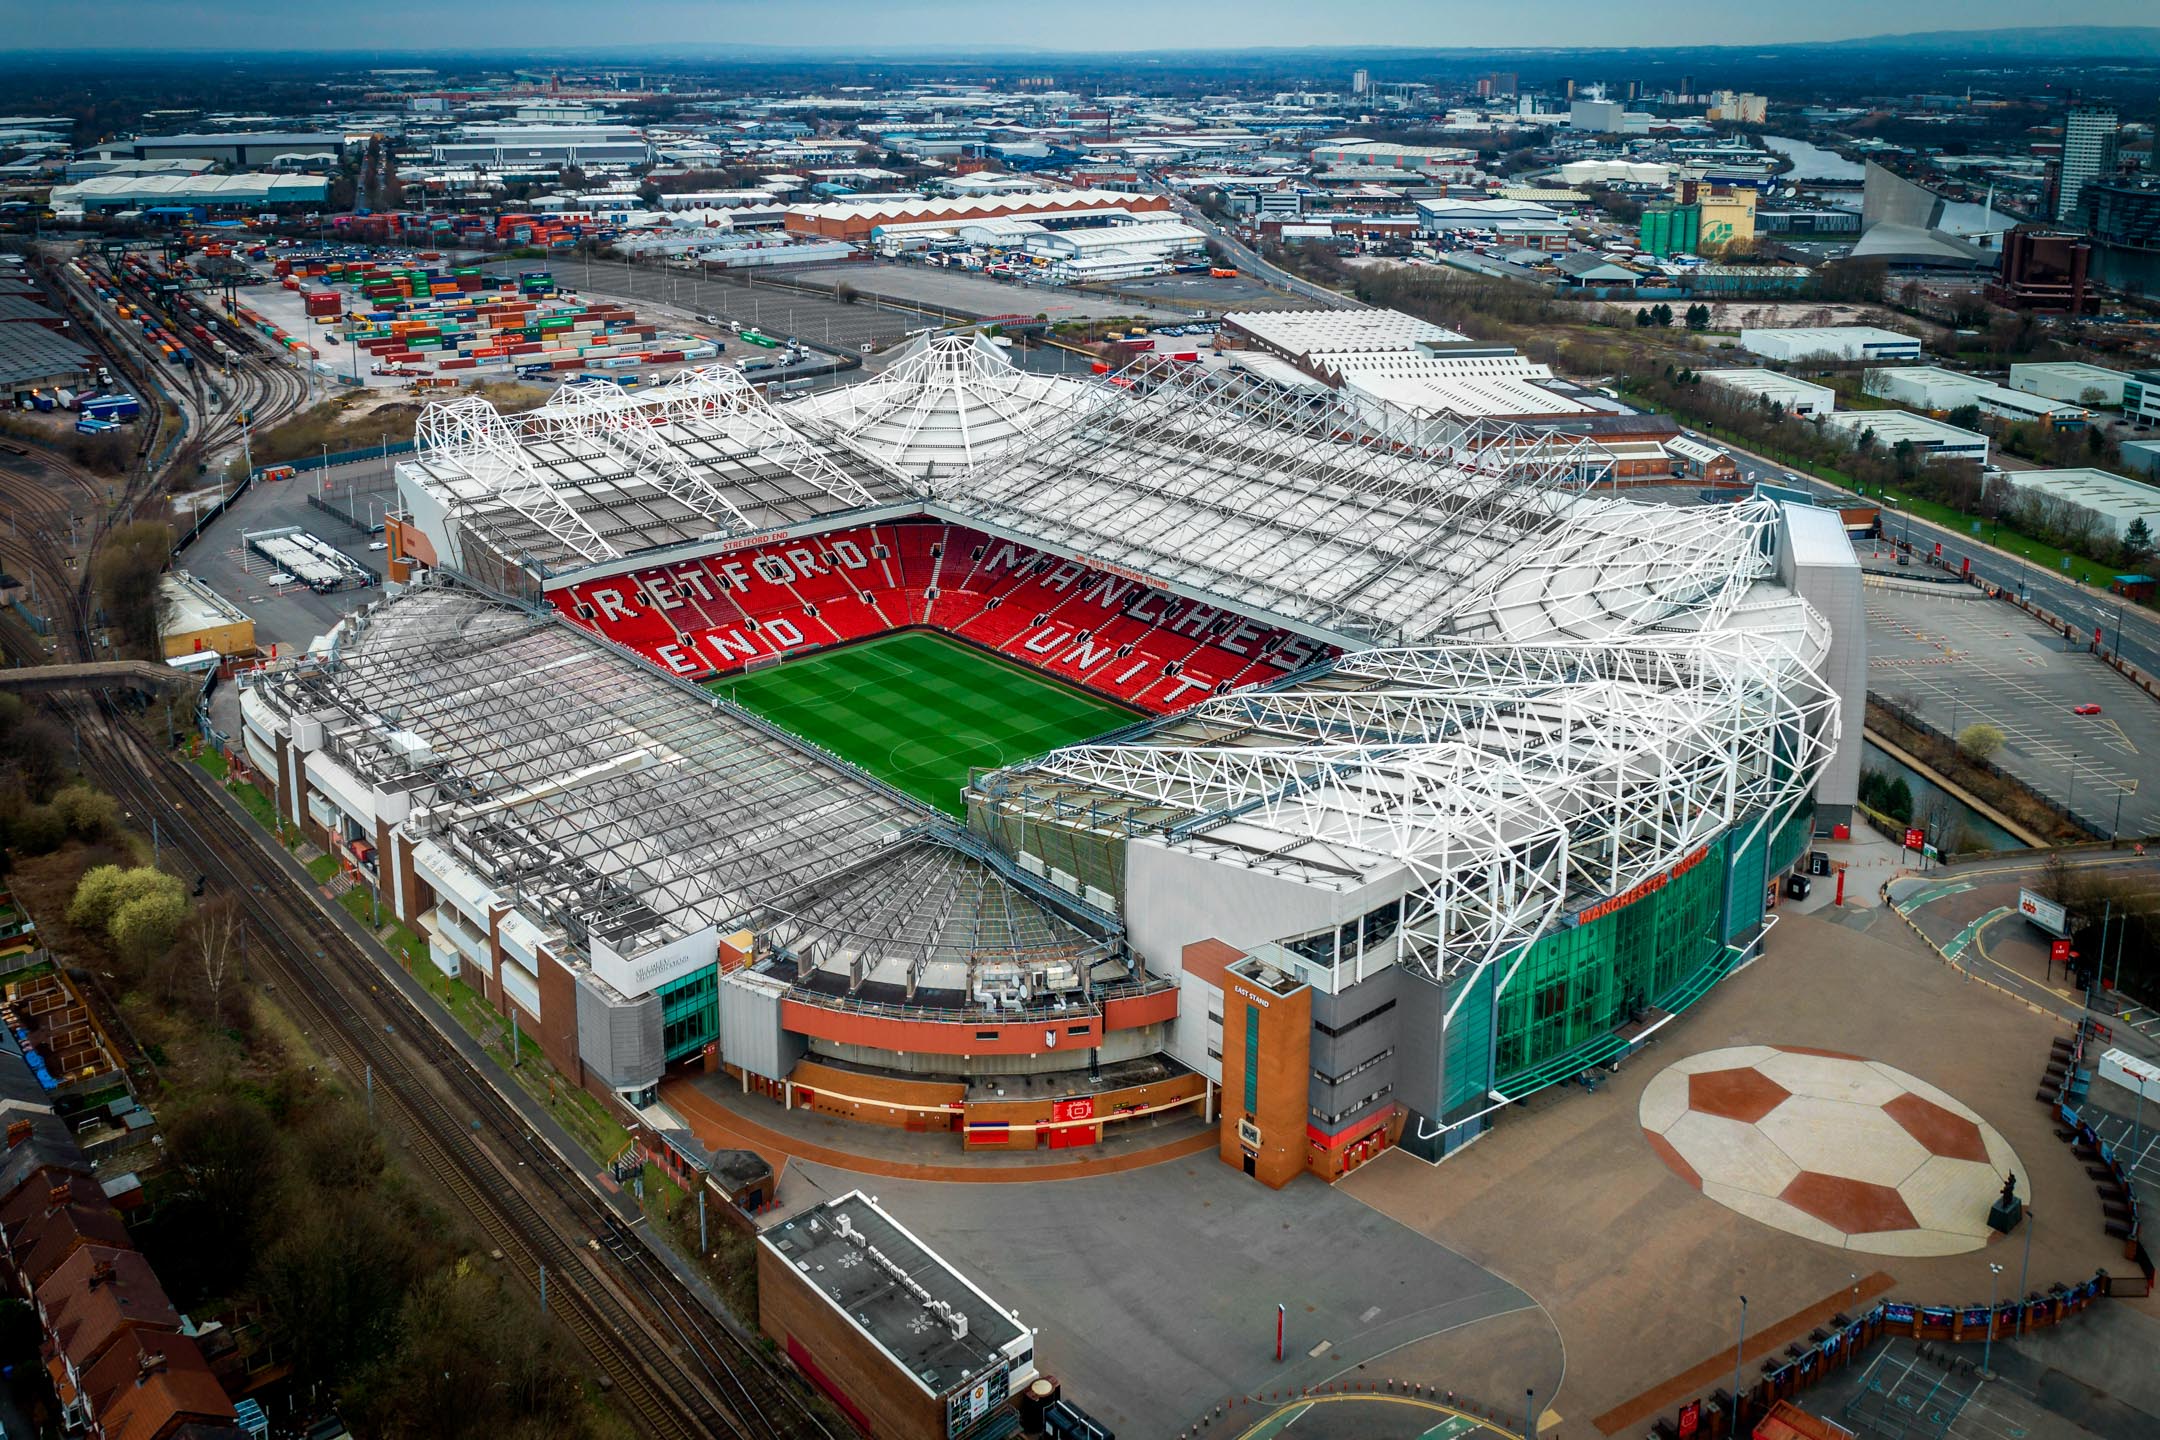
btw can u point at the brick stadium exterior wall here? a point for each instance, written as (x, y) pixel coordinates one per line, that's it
(558, 1018)
(1282, 1071)
(1108, 1105)
(854, 1096)
(886, 1402)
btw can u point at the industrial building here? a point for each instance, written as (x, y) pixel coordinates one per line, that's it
(1462, 381)
(1930, 437)
(1830, 342)
(899, 1339)
(241, 149)
(1932, 388)
(2141, 398)
(1114, 252)
(856, 221)
(1772, 387)
(1577, 720)
(2094, 386)
(1294, 335)
(543, 147)
(213, 193)
(33, 358)
(2116, 499)
(194, 620)
(1518, 220)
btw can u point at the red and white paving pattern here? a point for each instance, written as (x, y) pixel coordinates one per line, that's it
(1847, 1151)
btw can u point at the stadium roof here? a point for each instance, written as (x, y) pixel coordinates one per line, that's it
(948, 403)
(598, 473)
(609, 802)
(1511, 782)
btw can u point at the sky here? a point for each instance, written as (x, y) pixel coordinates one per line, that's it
(1125, 25)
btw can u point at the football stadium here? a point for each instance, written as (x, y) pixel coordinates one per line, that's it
(1172, 742)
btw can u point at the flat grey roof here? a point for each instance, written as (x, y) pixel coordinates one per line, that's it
(31, 352)
(888, 1282)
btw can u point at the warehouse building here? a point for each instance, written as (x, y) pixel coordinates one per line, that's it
(241, 149)
(1424, 158)
(2116, 499)
(1936, 438)
(1493, 382)
(1115, 252)
(2093, 386)
(1794, 397)
(195, 621)
(2141, 398)
(543, 147)
(1930, 387)
(899, 1339)
(1294, 335)
(35, 358)
(1830, 342)
(856, 220)
(249, 193)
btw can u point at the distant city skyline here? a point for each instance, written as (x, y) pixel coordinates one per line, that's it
(837, 26)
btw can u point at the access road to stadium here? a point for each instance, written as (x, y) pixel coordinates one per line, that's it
(2052, 590)
(1968, 913)
(288, 615)
(1956, 657)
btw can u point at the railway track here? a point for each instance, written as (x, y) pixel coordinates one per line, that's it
(681, 1369)
(684, 1371)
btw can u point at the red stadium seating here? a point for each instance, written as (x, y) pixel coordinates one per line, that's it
(1110, 633)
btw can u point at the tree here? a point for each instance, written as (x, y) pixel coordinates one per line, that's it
(106, 889)
(87, 813)
(1965, 417)
(146, 927)
(335, 1280)
(2137, 544)
(230, 1155)
(1698, 317)
(1661, 314)
(126, 575)
(846, 294)
(1642, 318)
(1897, 801)
(1980, 740)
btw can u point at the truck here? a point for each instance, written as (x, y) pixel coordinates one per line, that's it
(753, 337)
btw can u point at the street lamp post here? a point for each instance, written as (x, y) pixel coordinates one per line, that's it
(1739, 1353)
(1987, 1350)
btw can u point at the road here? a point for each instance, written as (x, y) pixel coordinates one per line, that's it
(2078, 605)
(1248, 259)
(1968, 912)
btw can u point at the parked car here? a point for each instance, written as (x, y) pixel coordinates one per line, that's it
(2086, 709)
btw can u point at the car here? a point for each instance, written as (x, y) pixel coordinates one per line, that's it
(2085, 709)
(378, 545)
(281, 578)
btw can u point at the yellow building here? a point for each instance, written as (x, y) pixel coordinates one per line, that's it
(1728, 217)
(196, 620)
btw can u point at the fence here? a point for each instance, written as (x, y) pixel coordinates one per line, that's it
(1913, 721)
(204, 517)
(343, 457)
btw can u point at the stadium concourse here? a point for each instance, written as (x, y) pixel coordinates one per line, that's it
(1435, 770)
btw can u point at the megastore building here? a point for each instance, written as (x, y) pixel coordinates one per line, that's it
(1450, 772)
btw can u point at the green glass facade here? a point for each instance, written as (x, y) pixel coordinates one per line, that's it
(1577, 984)
(690, 1013)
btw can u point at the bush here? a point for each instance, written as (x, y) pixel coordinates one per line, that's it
(36, 830)
(145, 927)
(1980, 740)
(88, 814)
(105, 890)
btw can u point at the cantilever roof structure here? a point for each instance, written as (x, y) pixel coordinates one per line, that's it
(598, 473)
(949, 403)
(1510, 781)
(612, 803)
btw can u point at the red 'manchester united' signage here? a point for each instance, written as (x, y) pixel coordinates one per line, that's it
(1636, 892)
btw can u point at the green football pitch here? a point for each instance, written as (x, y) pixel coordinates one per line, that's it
(919, 711)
